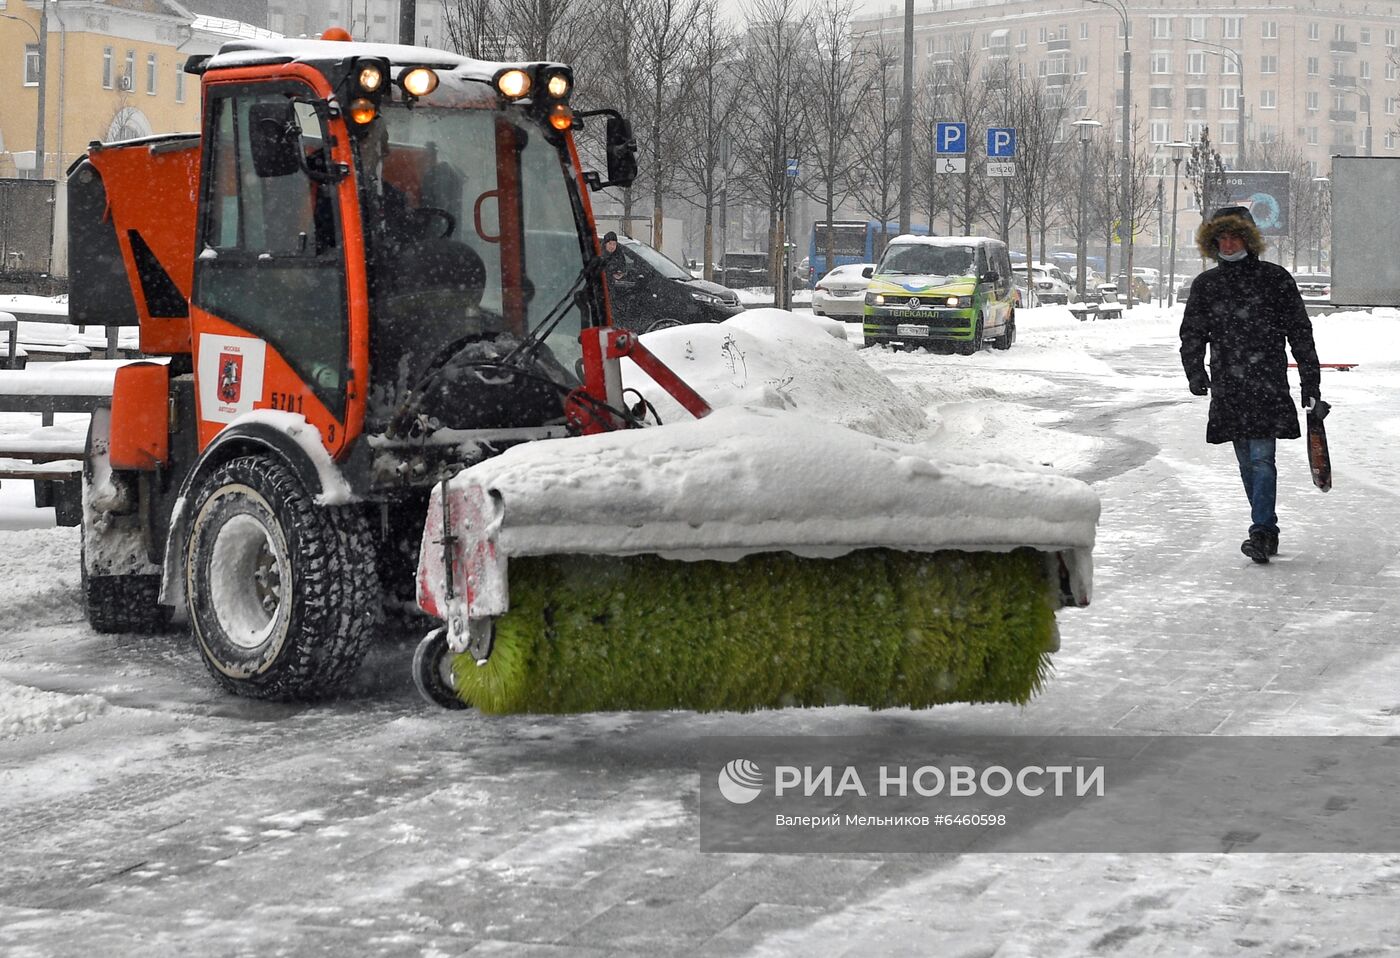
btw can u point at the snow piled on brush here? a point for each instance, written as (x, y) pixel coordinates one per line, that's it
(803, 453)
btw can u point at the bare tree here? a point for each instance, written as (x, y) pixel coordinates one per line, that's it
(875, 178)
(772, 125)
(841, 84)
(1044, 156)
(664, 30)
(476, 28)
(705, 120)
(1283, 156)
(1205, 172)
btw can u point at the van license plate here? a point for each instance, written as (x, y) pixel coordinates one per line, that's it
(903, 330)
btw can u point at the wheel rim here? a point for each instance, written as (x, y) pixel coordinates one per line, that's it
(248, 580)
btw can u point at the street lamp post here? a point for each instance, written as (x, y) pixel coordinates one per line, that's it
(1179, 151)
(41, 40)
(1086, 133)
(1221, 51)
(1125, 213)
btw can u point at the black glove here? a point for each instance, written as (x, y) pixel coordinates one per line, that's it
(1311, 393)
(1199, 387)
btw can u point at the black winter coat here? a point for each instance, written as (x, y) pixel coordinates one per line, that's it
(1245, 310)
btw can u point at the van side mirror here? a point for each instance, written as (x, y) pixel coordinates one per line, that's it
(274, 138)
(868, 272)
(992, 276)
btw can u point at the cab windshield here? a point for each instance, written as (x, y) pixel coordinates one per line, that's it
(925, 259)
(472, 237)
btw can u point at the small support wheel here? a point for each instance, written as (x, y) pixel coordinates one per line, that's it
(432, 671)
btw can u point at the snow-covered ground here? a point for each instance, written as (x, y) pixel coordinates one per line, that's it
(146, 813)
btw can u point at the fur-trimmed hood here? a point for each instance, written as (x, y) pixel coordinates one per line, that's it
(1230, 219)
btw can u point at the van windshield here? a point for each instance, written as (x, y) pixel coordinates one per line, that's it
(924, 259)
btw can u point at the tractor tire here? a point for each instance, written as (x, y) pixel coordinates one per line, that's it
(283, 594)
(121, 587)
(124, 603)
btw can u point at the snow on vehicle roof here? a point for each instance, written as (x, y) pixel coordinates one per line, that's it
(915, 239)
(250, 52)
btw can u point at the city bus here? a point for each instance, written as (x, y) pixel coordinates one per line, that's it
(857, 241)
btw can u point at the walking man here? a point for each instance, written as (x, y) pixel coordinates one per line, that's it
(1245, 308)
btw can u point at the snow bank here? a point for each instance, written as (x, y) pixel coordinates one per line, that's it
(26, 711)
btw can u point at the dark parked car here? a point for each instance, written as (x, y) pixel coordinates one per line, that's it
(744, 270)
(1316, 290)
(649, 291)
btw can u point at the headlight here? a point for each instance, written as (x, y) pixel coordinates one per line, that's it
(370, 77)
(513, 84)
(954, 301)
(420, 81)
(874, 299)
(557, 85)
(709, 299)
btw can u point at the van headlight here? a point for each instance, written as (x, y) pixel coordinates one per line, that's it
(954, 301)
(874, 299)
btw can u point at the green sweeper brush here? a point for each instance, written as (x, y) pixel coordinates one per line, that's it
(752, 559)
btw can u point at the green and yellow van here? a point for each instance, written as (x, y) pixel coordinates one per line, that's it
(942, 291)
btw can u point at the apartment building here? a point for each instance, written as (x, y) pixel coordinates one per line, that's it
(1317, 74)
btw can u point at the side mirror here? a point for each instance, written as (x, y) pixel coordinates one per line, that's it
(868, 272)
(275, 138)
(992, 276)
(622, 152)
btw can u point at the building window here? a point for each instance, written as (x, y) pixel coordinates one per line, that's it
(1194, 129)
(1227, 134)
(1161, 63)
(1391, 70)
(1196, 28)
(1044, 34)
(150, 74)
(1084, 31)
(1314, 68)
(1268, 99)
(1313, 101)
(1022, 41)
(1270, 30)
(1339, 31)
(1268, 134)
(1229, 98)
(1081, 66)
(1366, 35)
(1196, 63)
(1161, 131)
(179, 84)
(1314, 32)
(31, 64)
(1161, 28)
(1389, 139)
(129, 74)
(1230, 28)
(1390, 37)
(1229, 66)
(1196, 98)
(1390, 106)
(1312, 136)
(1160, 97)
(1268, 64)
(1365, 71)
(106, 68)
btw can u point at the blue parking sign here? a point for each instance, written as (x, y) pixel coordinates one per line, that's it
(952, 138)
(1001, 141)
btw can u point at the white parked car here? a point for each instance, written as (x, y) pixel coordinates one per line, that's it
(1051, 285)
(841, 292)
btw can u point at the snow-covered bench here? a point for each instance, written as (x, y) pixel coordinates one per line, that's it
(51, 458)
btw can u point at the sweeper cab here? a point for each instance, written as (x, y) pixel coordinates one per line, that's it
(373, 266)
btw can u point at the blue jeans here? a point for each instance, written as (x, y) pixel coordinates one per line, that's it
(1260, 476)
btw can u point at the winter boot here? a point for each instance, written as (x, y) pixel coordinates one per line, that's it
(1256, 547)
(1272, 539)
